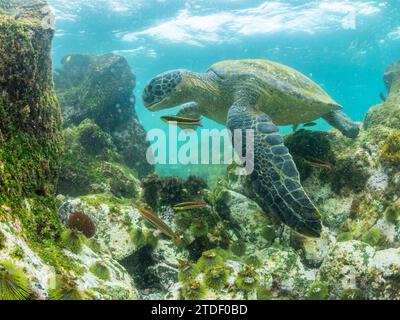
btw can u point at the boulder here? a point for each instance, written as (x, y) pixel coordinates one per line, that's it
(100, 88)
(37, 255)
(387, 114)
(31, 141)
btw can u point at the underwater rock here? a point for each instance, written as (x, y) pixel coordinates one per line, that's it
(388, 113)
(31, 144)
(91, 164)
(100, 88)
(168, 191)
(313, 251)
(252, 225)
(282, 274)
(30, 128)
(378, 182)
(392, 75)
(354, 270)
(43, 277)
(120, 229)
(383, 276)
(345, 268)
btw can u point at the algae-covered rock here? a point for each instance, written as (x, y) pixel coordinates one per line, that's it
(43, 270)
(313, 251)
(92, 164)
(34, 259)
(383, 275)
(100, 88)
(120, 229)
(254, 229)
(346, 267)
(283, 274)
(387, 113)
(30, 126)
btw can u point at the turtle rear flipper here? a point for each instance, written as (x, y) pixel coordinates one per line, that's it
(275, 177)
(339, 120)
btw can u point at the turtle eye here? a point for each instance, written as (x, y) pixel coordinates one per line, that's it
(161, 87)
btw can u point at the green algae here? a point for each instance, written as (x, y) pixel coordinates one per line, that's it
(238, 248)
(212, 258)
(247, 279)
(17, 253)
(344, 236)
(65, 288)
(193, 290)
(264, 293)
(143, 238)
(216, 277)
(347, 175)
(318, 291)
(187, 271)
(31, 141)
(72, 240)
(392, 213)
(373, 237)
(199, 228)
(3, 240)
(390, 154)
(352, 294)
(85, 167)
(100, 270)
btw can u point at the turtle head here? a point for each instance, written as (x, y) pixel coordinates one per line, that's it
(166, 90)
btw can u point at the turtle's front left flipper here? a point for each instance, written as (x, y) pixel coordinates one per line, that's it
(275, 177)
(190, 110)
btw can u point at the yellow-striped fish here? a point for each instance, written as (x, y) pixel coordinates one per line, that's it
(190, 205)
(158, 223)
(182, 121)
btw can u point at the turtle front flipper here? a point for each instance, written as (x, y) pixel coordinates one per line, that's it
(275, 178)
(190, 110)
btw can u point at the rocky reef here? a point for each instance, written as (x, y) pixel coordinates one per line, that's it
(36, 259)
(99, 89)
(231, 249)
(387, 113)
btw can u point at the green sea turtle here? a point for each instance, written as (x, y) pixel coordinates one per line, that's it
(258, 95)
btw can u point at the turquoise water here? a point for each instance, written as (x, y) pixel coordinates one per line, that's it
(343, 45)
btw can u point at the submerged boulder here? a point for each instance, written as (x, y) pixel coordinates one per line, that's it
(39, 258)
(100, 88)
(388, 113)
(30, 127)
(92, 164)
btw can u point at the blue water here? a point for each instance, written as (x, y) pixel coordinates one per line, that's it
(343, 45)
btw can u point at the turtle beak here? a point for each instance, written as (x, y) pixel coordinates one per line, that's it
(157, 106)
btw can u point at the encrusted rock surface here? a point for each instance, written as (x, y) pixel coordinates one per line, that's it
(100, 88)
(32, 257)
